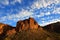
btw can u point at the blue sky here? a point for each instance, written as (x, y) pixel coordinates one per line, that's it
(43, 11)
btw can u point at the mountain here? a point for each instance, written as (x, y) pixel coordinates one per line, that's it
(29, 29)
(55, 27)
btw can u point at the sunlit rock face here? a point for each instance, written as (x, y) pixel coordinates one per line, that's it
(26, 24)
(33, 24)
(4, 28)
(55, 27)
(1, 28)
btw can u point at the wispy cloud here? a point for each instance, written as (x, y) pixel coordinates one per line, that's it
(51, 21)
(24, 14)
(43, 3)
(13, 2)
(7, 2)
(56, 11)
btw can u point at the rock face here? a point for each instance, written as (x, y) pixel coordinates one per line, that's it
(11, 32)
(26, 24)
(4, 28)
(55, 27)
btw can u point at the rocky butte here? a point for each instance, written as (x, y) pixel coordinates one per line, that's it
(27, 24)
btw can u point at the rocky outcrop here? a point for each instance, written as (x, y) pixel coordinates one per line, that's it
(11, 32)
(55, 27)
(26, 24)
(4, 28)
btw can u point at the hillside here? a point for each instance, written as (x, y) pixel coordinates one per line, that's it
(30, 30)
(55, 27)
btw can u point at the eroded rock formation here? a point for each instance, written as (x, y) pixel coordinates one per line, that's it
(26, 24)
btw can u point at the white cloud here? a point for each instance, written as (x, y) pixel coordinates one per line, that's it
(40, 15)
(6, 2)
(13, 2)
(43, 14)
(43, 3)
(18, 1)
(36, 4)
(56, 11)
(48, 13)
(51, 21)
(24, 14)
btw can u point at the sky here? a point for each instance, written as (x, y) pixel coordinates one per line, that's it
(43, 11)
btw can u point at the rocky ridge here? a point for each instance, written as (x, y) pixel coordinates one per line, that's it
(28, 25)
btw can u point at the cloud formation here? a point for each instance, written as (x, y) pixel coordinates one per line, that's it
(44, 10)
(43, 3)
(56, 11)
(7, 2)
(24, 14)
